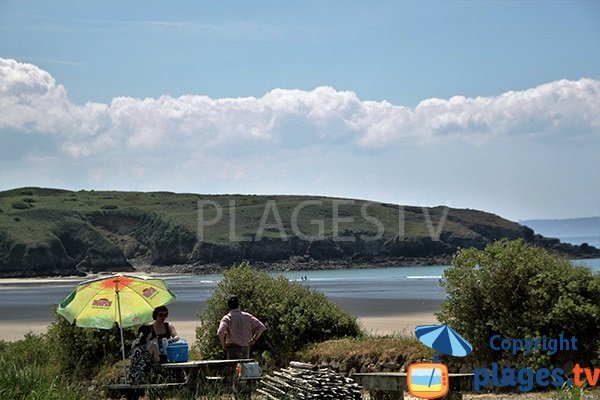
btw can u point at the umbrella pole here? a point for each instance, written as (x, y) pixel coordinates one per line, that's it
(121, 331)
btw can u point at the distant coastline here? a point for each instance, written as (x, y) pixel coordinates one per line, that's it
(575, 231)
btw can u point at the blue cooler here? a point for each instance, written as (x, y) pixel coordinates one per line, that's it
(177, 351)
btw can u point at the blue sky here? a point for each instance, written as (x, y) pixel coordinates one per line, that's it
(486, 105)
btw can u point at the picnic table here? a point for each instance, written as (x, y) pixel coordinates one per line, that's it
(188, 378)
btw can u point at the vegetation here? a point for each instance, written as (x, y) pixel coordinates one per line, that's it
(516, 290)
(59, 232)
(29, 370)
(182, 210)
(83, 353)
(293, 314)
(20, 205)
(367, 353)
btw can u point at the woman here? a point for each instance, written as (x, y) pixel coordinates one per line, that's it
(160, 328)
(144, 353)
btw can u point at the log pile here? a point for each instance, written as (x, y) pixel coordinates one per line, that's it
(302, 381)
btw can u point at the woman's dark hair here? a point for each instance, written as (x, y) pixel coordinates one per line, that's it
(159, 309)
(143, 332)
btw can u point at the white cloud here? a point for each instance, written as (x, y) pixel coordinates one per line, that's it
(32, 101)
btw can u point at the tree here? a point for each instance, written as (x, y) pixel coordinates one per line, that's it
(293, 314)
(517, 290)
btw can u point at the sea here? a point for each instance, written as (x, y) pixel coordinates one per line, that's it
(362, 290)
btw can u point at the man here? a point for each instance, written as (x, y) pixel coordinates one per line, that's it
(238, 330)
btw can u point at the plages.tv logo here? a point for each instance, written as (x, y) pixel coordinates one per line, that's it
(431, 380)
(525, 379)
(427, 380)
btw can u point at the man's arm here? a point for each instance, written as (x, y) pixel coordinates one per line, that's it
(223, 330)
(257, 329)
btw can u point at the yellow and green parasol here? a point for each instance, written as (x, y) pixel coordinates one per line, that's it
(125, 299)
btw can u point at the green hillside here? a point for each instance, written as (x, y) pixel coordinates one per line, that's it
(57, 232)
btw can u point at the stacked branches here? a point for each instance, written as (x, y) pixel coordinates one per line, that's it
(302, 381)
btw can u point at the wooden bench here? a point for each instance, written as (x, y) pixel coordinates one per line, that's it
(392, 385)
(190, 378)
(134, 392)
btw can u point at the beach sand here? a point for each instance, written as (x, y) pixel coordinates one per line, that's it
(378, 326)
(377, 316)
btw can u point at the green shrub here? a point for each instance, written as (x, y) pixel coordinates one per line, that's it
(294, 315)
(519, 291)
(32, 349)
(82, 352)
(20, 205)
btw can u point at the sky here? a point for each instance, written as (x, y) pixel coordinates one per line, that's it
(491, 105)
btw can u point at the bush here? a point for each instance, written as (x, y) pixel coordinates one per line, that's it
(20, 205)
(519, 291)
(294, 315)
(32, 349)
(82, 352)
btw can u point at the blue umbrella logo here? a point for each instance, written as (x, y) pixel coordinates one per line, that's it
(443, 339)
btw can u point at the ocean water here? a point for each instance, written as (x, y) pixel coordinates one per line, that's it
(394, 283)
(578, 239)
(31, 302)
(375, 283)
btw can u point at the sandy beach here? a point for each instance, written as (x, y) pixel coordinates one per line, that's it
(377, 316)
(11, 331)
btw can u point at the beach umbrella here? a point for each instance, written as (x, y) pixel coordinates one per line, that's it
(443, 339)
(126, 299)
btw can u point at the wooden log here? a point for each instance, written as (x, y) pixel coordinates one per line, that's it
(304, 382)
(301, 365)
(268, 395)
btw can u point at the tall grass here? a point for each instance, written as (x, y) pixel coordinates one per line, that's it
(28, 371)
(19, 380)
(573, 392)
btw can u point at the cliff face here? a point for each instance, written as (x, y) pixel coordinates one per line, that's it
(47, 232)
(72, 249)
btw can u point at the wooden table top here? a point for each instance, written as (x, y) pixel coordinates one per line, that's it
(207, 363)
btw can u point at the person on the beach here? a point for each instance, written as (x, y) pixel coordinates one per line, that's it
(238, 330)
(144, 353)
